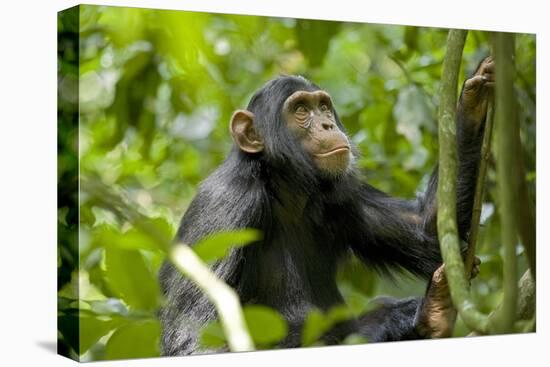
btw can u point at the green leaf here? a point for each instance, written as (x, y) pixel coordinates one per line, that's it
(217, 246)
(62, 215)
(314, 326)
(340, 313)
(92, 328)
(314, 36)
(354, 272)
(137, 340)
(162, 229)
(107, 236)
(80, 288)
(355, 339)
(129, 277)
(412, 112)
(212, 336)
(266, 326)
(317, 323)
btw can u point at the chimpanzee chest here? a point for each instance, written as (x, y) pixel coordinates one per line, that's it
(291, 274)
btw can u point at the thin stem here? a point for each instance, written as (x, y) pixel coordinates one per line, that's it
(220, 294)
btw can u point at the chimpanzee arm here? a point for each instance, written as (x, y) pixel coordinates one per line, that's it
(431, 316)
(404, 233)
(393, 319)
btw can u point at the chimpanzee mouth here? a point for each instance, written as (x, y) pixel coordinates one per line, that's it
(339, 149)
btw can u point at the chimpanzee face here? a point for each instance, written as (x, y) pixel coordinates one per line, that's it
(310, 117)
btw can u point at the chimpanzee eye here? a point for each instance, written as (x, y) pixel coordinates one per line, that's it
(324, 107)
(300, 109)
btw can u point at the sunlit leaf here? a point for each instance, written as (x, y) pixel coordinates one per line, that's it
(93, 328)
(129, 277)
(212, 336)
(136, 340)
(159, 233)
(266, 326)
(217, 246)
(314, 326)
(81, 288)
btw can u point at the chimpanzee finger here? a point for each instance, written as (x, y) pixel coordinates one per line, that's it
(489, 66)
(475, 271)
(485, 64)
(475, 267)
(438, 276)
(474, 83)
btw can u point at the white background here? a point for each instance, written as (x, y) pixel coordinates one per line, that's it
(28, 181)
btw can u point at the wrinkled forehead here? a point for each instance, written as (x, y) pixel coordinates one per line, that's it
(309, 96)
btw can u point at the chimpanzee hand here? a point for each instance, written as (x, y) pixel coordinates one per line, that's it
(437, 316)
(476, 92)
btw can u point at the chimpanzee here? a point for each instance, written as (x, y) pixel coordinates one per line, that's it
(291, 174)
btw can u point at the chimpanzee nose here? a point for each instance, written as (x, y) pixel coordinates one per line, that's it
(327, 124)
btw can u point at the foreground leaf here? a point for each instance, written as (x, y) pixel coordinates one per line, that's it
(217, 246)
(138, 340)
(266, 326)
(212, 336)
(129, 277)
(318, 323)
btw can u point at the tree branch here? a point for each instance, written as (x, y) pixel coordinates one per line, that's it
(446, 189)
(507, 126)
(526, 305)
(526, 297)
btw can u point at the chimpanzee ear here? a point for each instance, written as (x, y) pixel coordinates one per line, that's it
(243, 132)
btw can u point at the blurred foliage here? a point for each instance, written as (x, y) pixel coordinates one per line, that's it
(157, 89)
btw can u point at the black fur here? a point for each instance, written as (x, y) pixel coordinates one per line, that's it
(309, 222)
